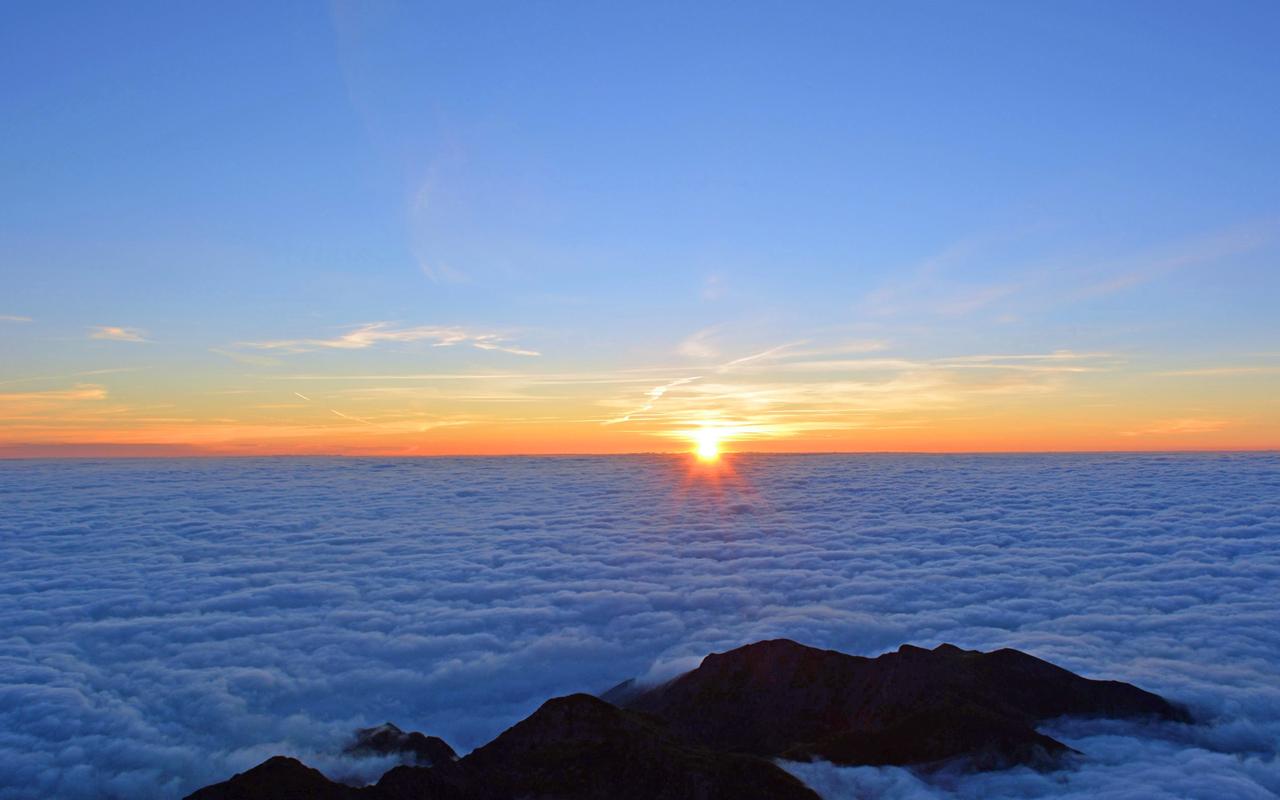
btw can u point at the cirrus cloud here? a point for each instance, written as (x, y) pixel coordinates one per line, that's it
(370, 334)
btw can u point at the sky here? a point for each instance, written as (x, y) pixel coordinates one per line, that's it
(475, 228)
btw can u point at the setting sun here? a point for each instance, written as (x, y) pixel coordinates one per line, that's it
(707, 444)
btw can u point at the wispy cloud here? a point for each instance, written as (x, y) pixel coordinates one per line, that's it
(113, 333)
(489, 341)
(42, 405)
(1214, 372)
(81, 391)
(1057, 361)
(935, 286)
(80, 374)
(699, 344)
(654, 395)
(1184, 425)
(930, 294)
(440, 272)
(1154, 264)
(348, 416)
(374, 333)
(14, 318)
(762, 355)
(791, 389)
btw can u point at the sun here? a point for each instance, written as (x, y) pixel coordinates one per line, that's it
(707, 444)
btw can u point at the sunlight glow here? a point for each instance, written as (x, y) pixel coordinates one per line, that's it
(707, 444)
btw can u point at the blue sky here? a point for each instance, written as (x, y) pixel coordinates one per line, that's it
(605, 183)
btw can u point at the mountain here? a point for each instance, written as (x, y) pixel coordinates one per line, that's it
(387, 739)
(913, 706)
(580, 747)
(572, 748)
(279, 778)
(711, 733)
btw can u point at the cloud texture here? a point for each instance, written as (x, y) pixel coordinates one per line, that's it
(166, 623)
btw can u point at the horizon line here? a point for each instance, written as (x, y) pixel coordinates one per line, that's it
(672, 453)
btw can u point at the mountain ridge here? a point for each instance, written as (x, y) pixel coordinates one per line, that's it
(715, 732)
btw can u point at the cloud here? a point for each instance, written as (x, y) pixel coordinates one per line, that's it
(116, 334)
(1184, 425)
(13, 318)
(1207, 249)
(699, 345)
(935, 286)
(24, 403)
(440, 272)
(336, 412)
(374, 333)
(768, 354)
(653, 396)
(82, 373)
(795, 388)
(489, 341)
(168, 623)
(1217, 372)
(942, 287)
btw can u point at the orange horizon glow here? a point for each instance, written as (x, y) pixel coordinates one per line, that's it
(708, 443)
(780, 400)
(535, 447)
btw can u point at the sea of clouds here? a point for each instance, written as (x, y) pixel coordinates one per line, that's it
(165, 623)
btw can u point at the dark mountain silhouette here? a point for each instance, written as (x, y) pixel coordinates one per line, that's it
(709, 734)
(576, 748)
(580, 747)
(279, 778)
(913, 706)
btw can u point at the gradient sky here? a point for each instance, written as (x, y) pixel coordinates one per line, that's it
(559, 227)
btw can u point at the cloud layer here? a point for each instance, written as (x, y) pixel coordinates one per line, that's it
(166, 623)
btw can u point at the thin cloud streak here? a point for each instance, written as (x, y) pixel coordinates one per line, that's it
(1203, 250)
(1212, 372)
(654, 394)
(82, 373)
(1187, 425)
(113, 333)
(374, 333)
